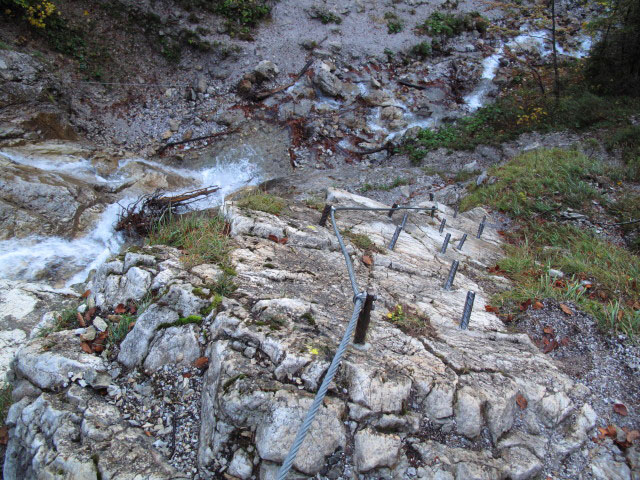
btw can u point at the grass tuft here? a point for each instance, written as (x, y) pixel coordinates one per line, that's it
(263, 202)
(201, 238)
(531, 188)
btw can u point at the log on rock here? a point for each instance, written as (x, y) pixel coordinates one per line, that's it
(141, 216)
(258, 96)
(196, 139)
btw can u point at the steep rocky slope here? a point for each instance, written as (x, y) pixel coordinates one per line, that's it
(422, 398)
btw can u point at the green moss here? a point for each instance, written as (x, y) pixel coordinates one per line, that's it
(361, 241)
(229, 383)
(197, 319)
(200, 293)
(213, 306)
(308, 318)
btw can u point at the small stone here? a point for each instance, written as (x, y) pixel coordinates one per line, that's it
(100, 324)
(555, 273)
(89, 335)
(166, 135)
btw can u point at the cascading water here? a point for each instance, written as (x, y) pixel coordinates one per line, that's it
(62, 260)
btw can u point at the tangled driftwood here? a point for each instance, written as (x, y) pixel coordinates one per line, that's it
(140, 217)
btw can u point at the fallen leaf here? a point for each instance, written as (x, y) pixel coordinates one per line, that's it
(492, 309)
(98, 347)
(4, 435)
(131, 325)
(566, 309)
(611, 431)
(201, 362)
(620, 409)
(147, 433)
(86, 348)
(89, 314)
(81, 321)
(620, 314)
(283, 241)
(564, 342)
(550, 347)
(537, 305)
(633, 435)
(187, 375)
(525, 305)
(85, 294)
(133, 309)
(120, 308)
(273, 238)
(548, 330)
(521, 401)
(367, 260)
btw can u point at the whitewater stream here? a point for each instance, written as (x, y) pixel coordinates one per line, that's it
(35, 257)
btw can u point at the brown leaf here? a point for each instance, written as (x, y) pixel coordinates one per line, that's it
(367, 260)
(86, 348)
(550, 347)
(273, 238)
(491, 308)
(81, 321)
(633, 435)
(525, 305)
(620, 409)
(566, 309)
(521, 401)
(611, 431)
(537, 305)
(85, 294)
(89, 314)
(283, 241)
(120, 309)
(548, 330)
(147, 433)
(133, 309)
(564, 342)
(98, 347)
(201, 362)
(620, 314)
(131, 325)
(4, 435)
(187, 375)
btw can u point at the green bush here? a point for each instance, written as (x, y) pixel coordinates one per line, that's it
(421, 50)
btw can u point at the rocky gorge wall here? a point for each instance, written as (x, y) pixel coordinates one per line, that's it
(223, 396)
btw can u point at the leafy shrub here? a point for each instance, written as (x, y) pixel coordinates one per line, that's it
(421, 50)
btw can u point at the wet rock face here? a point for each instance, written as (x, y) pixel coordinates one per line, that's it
(421, 399)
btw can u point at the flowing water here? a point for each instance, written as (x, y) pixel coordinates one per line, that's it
(69, 260)
(38, 257)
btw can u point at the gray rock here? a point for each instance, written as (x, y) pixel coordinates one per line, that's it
(48, 362)
(468, 413)
(327, 82)
(173, 346)
(135, 346)
(266, 70)
(241, 465)
(276, 433)
(374, 450)
(100, 324)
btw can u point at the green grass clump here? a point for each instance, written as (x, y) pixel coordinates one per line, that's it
(539, 182)
(531, 188)
(409, 321)
(117, 331)
(200, 237)
(263, 202)
(394, 25)
(360, 240)
(627, 140)
(5, 401)
(447, 25)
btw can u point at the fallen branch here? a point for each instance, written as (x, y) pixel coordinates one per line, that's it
(266, 94)
(141, 216)
(412, 85)
(387, 146)
(196, 139)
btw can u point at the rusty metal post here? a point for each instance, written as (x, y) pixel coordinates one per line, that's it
(461, 243)
(468, 306)
(393, 209)
(443, 250)
(325, 215)
(452, 275)
(364, 319)
(442, 224)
